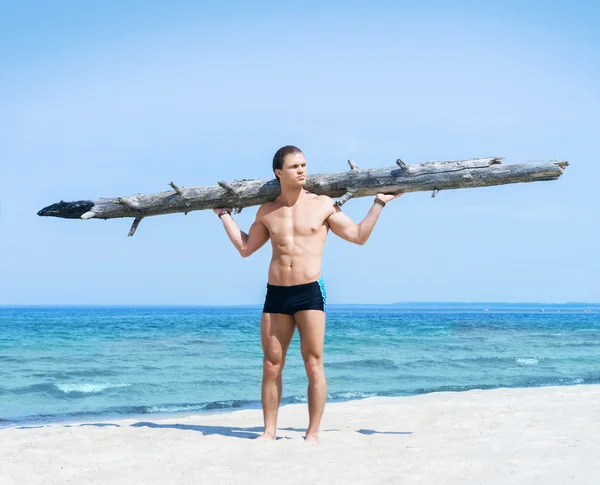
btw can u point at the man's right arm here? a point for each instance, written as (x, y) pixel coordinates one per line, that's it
(246, 244)
(341, 225)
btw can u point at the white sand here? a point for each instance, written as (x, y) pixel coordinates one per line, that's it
(545, 435)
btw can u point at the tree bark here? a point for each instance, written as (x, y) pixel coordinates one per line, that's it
(431, 176)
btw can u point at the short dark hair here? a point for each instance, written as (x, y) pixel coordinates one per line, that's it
(280, 155)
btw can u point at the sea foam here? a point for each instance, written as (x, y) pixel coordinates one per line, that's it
(527, 360)
(88, 388)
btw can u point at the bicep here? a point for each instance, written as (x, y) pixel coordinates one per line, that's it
(258, 235)
(342, 226)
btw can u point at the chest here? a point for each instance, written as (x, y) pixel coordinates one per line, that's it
(303, 222)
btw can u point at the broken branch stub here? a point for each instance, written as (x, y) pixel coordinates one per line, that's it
(401, 164)
(227, 186)
(175, 188)
(134, 226)
(344, 198)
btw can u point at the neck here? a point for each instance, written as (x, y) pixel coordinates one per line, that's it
(290, 195)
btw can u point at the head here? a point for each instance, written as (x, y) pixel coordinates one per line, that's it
(289, 166)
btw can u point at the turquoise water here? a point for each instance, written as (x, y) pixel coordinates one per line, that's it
(71, 363)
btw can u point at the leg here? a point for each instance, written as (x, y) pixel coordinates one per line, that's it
(311, 325)
(276, 331)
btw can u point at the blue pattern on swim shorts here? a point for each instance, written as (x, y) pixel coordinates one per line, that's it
(323, 292)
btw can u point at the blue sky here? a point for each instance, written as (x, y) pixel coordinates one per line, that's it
(104, 99)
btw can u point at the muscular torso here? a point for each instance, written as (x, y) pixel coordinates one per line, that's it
(297, 236)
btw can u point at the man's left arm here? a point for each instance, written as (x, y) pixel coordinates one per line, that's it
(342, 226)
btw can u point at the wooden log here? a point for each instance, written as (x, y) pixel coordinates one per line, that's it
(430, 176)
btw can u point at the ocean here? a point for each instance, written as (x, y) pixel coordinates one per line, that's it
(61, 364)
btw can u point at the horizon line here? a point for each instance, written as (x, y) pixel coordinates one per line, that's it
(197, 305)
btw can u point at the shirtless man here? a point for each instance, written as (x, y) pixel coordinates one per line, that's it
(297, 223)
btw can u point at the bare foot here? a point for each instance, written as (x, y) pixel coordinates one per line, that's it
(266, 436)
(311, 439)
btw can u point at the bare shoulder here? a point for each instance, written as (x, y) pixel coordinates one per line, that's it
(324, 200)
(320, 203)
(327, 203)
(265, 209)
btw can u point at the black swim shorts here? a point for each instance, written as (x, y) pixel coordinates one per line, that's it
(292, 299)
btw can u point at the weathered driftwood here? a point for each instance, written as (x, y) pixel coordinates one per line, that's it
(431, 176)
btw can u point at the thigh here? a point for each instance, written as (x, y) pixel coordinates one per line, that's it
(276, 332)
(311, 326)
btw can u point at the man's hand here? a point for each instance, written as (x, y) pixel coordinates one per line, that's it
(387, 197)
(221, 210)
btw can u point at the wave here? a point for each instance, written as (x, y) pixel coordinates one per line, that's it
(535, 382)
(201, 342)
(174, 408)
(10, 358)
(65, 390)
(336, 396)
(351, 395)
(371, 363)
(527, 360)
(75, 373)
(88, 388)
(580, 344)
(470, 361)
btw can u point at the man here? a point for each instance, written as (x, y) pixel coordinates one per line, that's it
(297, 223)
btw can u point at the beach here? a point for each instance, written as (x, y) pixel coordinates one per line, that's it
(547, 435)
(452, 395)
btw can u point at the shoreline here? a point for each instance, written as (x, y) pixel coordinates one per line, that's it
(64, 420)
(545, 435)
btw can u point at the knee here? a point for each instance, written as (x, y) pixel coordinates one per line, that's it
(272, 369)
(314, 366)
(273, 364)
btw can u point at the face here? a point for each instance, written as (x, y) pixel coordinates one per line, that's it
(293, 172)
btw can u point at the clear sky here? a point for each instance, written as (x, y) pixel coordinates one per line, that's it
(112, 98)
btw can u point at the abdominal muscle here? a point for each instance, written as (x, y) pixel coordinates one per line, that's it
(296, 262)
